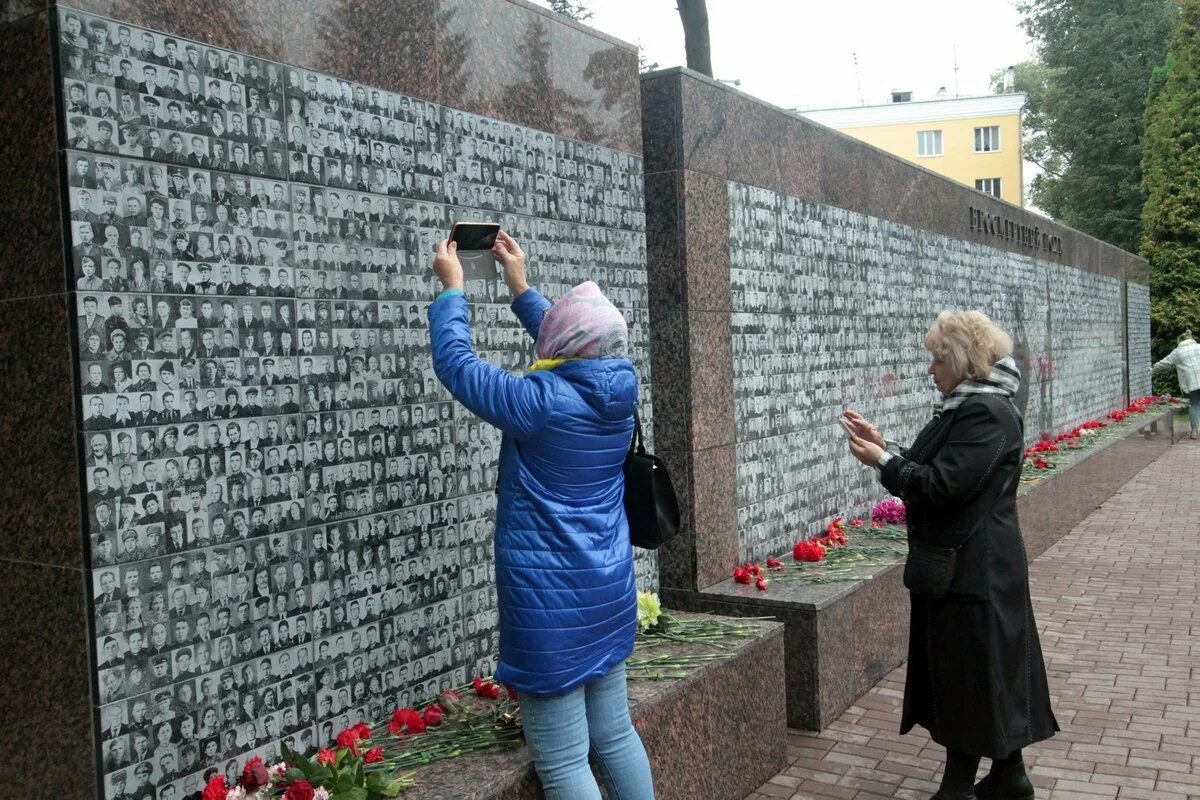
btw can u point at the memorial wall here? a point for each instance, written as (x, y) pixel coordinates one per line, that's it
(290, 521)
(799, 270)
(830, 309)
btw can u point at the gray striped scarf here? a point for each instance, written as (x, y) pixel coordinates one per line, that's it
(1004, 379)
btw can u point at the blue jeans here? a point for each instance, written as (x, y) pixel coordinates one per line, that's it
(561, 731)
(1194, 408)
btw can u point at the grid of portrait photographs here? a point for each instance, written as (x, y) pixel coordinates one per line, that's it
(817, 328)
(1137, 301)
(290, 520)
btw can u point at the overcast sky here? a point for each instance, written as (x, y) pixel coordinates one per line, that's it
(800, 53)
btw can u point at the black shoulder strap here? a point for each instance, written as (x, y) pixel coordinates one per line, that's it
(637, 444)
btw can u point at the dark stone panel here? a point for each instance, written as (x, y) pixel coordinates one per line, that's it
(859, 641)
(598, 97)
(37, 426)
(665, 257)
(710, 358)
(677, 557)
(386, 44)
(31, 261)
(705, 128)
(670, 365)
(741, 709)
(732, 135)
(45, 704)
(248, 26)
(13, 10)
(670, 730)
(757, 142)
(660, 126)
(513, 81)
(714, 513)
(706, 241)
(717, 733)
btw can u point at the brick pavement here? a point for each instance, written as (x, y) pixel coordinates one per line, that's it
(1118, 609)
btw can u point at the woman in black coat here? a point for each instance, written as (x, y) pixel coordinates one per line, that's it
(976, 679)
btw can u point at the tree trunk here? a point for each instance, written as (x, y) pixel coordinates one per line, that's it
(694, 15)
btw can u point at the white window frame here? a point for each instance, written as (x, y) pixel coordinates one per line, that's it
(934, 137)
(989, 186)
(981, 133)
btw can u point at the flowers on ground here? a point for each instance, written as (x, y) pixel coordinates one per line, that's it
(649, 609)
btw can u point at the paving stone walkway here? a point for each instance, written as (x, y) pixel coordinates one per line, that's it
(1118, 607)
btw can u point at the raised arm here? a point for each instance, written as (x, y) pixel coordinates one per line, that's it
(528, 304)
(519, 406)
(982, 436)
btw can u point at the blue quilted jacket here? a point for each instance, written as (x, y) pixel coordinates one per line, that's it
(564, 564)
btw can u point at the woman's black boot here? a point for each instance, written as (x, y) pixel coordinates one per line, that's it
(1007, 780)
(953, 794)
(958, 777)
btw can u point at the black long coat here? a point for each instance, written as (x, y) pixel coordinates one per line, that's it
(976, 678)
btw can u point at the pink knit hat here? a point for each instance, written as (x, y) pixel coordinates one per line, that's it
(583, 324)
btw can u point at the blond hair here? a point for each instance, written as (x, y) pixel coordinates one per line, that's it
(968, 342)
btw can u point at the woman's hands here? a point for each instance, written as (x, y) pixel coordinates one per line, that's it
(864, 429)
(447, 266)
(867, 443)
(512, 260)
(866, 452)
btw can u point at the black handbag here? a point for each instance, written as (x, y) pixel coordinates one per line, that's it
(929, 569)
(650, 500)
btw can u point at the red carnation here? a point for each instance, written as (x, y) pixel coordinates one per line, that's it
(512, 694)
(363, 730)
(374, 755)
(774, 563)
(326, 756)
(754, 568)
(433, 715)
(486, 689)
(761, 583)
(858, 523)
(254, 775)
(406, 720)
(215, 790)
(741, 575)
(299, 790)
(349, 740)
(808, 551)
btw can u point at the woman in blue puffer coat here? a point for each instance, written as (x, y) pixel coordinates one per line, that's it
(564, 564)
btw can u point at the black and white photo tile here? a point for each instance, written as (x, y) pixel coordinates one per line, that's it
(1137, 300)
(830, 311)
(291, 522)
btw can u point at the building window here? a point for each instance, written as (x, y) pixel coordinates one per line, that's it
(987, 139)
(929, 143)
(901, 97)
(988, 186)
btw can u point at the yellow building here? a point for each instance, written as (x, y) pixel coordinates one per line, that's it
(973, 140)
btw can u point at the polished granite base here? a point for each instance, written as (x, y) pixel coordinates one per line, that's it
(717, 734)
(842, 638)
(1051, 508)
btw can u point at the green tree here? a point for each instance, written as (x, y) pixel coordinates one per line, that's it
(575, 10)
(1171, 176)
(1085, 131)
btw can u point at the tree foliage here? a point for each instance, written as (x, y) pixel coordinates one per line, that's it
(575, 10)
(1171, 176)
(1085, 122)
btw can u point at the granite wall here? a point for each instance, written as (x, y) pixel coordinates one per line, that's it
(261, 518)
(798, 270)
